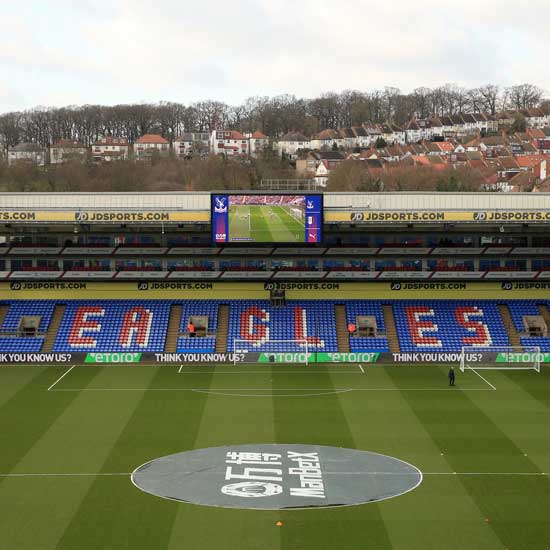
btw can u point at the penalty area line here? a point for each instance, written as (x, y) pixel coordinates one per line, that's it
(483, 378)
(61, 377)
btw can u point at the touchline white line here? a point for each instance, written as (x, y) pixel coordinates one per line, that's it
(61, 377)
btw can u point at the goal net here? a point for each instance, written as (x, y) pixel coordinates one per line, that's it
(500, 358)
(271, 351)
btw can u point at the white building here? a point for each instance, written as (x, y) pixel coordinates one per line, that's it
(109, 149)
(66, 150)
(327, 139)
(291, 143)
(229, 143)
(150, 145)
(192, 144)
(27, 153)
(258, 142)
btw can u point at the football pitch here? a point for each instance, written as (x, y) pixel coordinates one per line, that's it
(70, 439)
(262, 223)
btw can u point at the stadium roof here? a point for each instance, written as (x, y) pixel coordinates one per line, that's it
(201, 201)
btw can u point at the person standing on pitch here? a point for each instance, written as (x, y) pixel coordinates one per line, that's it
(451, 376)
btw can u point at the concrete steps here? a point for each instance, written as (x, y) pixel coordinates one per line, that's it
(391, 330)
(223, 328)
(513, 335)
(55, 323)
(172, 333)
(342, 335)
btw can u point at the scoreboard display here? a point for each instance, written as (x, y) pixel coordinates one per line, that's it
(258, 218)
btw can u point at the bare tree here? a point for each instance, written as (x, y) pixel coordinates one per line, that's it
(524, 96)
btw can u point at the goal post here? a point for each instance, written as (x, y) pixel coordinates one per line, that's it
(271, 351)
(501, 358)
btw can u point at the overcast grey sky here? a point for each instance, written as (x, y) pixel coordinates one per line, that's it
(67, 52)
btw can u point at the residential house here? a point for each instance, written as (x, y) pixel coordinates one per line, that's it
(192, 144)
(291, 143)
(505, 119)
(229, 143)
(327, 139)
(109, 149)
(319, 165)
(67, 150)
(447, 126)
(391, 134)
(434, 127)
(362, 139)
(536, 118)
(150, 146)
(413, 132)
(541, 139)
(348, 135)
(27, 153)
(259, 142)
(373, 132)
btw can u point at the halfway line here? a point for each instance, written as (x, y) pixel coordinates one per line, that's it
(123, 474)
(455, 389)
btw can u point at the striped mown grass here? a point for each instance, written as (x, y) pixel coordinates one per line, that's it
(485, 455)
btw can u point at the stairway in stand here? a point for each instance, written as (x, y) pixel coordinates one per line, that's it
(513, 335)
(3, 312)
(172, 333)
(342, 335)
(391, 330)
(223, 328)
(55, 323)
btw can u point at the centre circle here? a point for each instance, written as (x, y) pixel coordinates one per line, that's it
(277, 476)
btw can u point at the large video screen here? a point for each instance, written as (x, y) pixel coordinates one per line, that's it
(283, 219)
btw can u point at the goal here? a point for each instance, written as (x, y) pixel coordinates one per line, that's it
(500, 358)
(271, 351)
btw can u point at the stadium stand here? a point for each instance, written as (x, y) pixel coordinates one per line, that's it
(447, 325)
(372, 308)
(114, 325)
(207, 308)
(258, 322)
(17, 310)
(142, 325)
(21, 345)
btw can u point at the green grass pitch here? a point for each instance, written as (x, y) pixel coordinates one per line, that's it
(485, 455)
(265, 224)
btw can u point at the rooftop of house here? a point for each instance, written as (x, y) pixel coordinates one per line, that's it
(27, 148)
(294, 136)
(151, 138)
(68, 143)
(327, 134)
(109, 140)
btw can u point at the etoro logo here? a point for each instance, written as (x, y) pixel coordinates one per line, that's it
(252, 489)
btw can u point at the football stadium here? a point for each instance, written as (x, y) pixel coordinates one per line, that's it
(242, 370)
